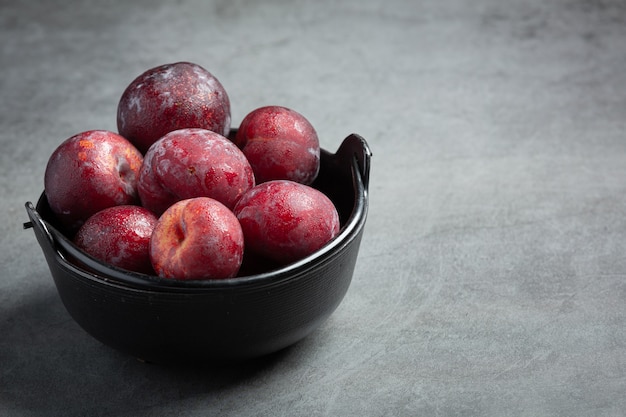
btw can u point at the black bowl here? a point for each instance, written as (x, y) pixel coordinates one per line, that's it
(163, 320)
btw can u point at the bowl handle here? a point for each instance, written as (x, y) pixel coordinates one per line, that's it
(36, 222)
(354, 146)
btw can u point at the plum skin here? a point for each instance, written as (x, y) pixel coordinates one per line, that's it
(119, 236)
(193, 162)
(89, 172)
(280, 143)
(197, 238)
(171, 97)
(285, 221)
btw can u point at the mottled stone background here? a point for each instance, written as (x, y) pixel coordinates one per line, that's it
(491, 279)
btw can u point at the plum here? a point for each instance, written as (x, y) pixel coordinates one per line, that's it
(280, 143)
(193, 162)
(285, 221)
(197, 238)
(170, 97)
(89, 172)
(119, 236)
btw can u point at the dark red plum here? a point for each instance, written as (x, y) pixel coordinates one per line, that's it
(171, 97)
(197, 238)
(89, 172)
(192, 162)
(119, 236)
(280, 144)
(285, 221)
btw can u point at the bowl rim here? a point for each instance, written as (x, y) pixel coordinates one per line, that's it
(354, 150)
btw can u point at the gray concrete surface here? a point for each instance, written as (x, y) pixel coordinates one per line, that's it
(492, 275)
